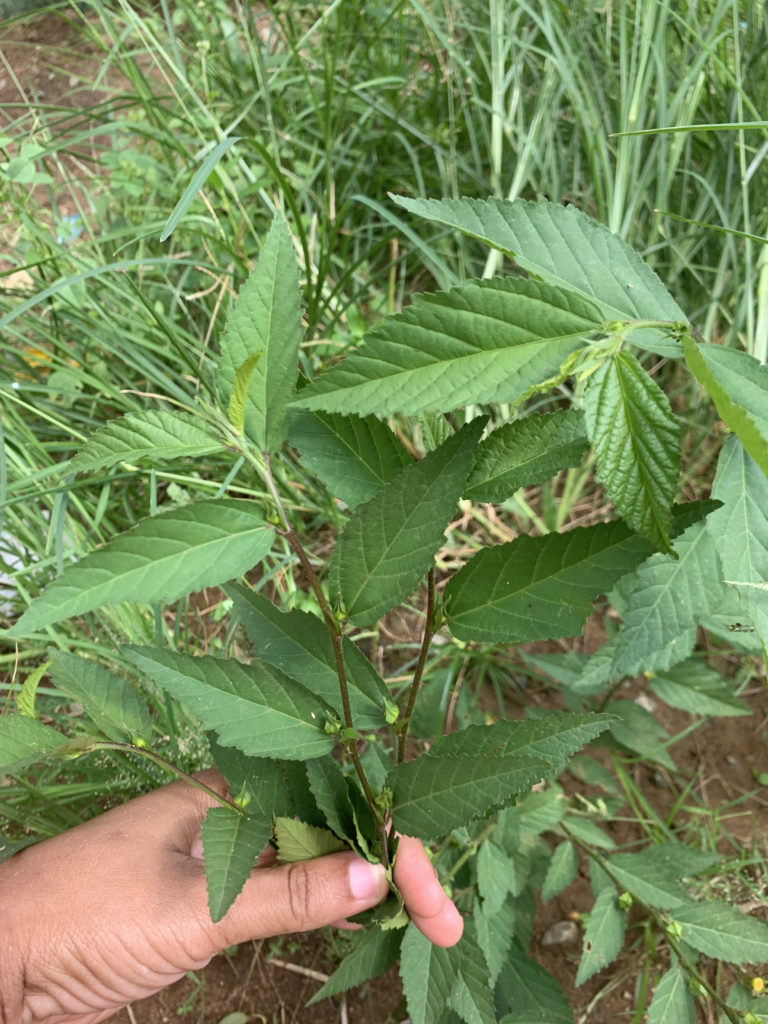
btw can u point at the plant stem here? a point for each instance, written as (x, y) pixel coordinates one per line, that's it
(429, 632)
(337, 641)
(130, 748)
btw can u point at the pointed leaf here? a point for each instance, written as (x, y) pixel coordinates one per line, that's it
(266, 319)
(166, 556)
(374, 954)
(197, 181)
(665, 600)
(494, 935)
(433, 795)
(231, 844)
(672, 1001)
(329, 789)
(643, 876)
(472, 994)
(494, 875)
(487, 341)
(530, 992)
(24, 741)
(723, 932)
(561, 245)
(252, 707)
(695, 687)
(636, 439)
(428, 973)
(298, 841)
(637, 730)
(115, 707)
(390, 542)
(240, 388)
(25, 702)
(352, 455)
(526, 452)
(562, 870)
(537, 588)
(738, 385)
(158, 437)
(553, 737)
(740, 527)
(298, 644)
(603, 936)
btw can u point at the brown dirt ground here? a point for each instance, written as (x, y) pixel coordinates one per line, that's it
(269, 983)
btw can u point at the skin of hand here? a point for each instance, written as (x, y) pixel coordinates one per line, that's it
(116, 909)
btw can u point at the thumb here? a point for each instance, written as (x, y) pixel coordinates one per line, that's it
(302, 896)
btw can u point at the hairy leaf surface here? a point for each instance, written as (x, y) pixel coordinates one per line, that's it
(563, 868)
(255, 708)
(389, 544)
(296, 840)
(435, 794)
(647, 880)
(257, 783)
(115, 707)
(495, 932)
(526, 452)
(472, 995)
(298, 644)
(565, 247)
(231, 844)
(603, 936)
(530, 993)
(353, 455)
(738, 385)
(158, 437)
(24, 741)
(161, 559)
(723, 932)
(266, 319)
(428, 973)
(537, 588)
(374, 954)
(636, 439)
(672, 1001)
(487, 341)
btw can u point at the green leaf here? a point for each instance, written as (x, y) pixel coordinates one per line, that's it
(695, 687)
(435, 429)
(553, 737)
(25, 741)
(636, 439)
(266, 319)
(494, 874)
(740, 527)
(533, 993)
(114, 705)
(665, 600)
(329, 789)
(25, 701)
(298, 841)
(526, 452)
(603, 936)
(487, 341)
(389, 544)
(428, 973)
(588, 832)
(738, 385)
(352, 455)
(231, 844)
(472, 994)
(433, 795)
(157, 437)
(196, 182)
(255, 708)
(373, 955)
(256, 783)
(495, 932)
(537, 588)
(240, 389)
(637, 730)
(672, 1001)
(298, 644)
(564, 247)
(166, 556)
(562, 870)
(723, 932)
(642, 875)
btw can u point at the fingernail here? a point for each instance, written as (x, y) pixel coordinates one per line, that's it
(365, 880)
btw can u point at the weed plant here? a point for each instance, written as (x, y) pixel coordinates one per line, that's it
(646, 117)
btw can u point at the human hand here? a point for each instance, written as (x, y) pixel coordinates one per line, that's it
(116, 909)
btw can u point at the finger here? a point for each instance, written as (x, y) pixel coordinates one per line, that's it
(301, 897)
(427, 904)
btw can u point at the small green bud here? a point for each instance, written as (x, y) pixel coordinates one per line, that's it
(626, 900)
(391, 712)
